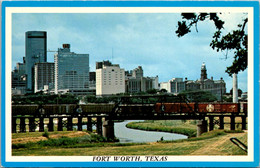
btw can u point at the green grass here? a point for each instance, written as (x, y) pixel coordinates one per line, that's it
(82, 141)
(179, 147)
(38, 134)
(92, 144)
(179, 127)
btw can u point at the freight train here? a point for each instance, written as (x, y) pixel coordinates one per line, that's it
(129, 108)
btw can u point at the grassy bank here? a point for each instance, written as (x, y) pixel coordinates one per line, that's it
(212, 143)
(81, 143)
(57, 139)
(180, 127)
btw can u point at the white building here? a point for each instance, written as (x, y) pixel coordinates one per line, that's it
(175, 85)
(110, 79)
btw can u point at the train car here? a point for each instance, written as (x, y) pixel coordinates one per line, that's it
(136, 108)
(97, 108)
(218, 107)
(174, 107)
(244, 107)
(24, 109)
(52, 109)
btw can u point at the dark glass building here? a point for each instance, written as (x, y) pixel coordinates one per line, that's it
(35, 52)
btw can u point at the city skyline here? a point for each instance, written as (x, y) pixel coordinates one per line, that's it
(130, 40)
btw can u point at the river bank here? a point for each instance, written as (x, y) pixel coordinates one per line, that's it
(126, 135)
(212, 143)
(187, 128)
(82, 143)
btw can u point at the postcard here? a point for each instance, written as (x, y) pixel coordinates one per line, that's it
(130, 84)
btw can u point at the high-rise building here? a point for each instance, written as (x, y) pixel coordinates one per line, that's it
(35, 52)
(19, 79)
(44, 77)
(110, 79)
(71, 71)
(136, 82)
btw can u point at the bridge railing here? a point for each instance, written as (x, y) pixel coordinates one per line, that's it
(58, 117)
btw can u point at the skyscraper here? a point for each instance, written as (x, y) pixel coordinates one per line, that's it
(19, 79)
(35, 52)
(44, 76)
(71, 71)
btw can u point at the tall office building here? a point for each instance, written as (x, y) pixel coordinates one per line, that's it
(35, 52)
(71, 71)
(19, 79)
(110, 79)
(44, 77)
(136, 82)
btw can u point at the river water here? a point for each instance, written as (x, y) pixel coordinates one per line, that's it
(126, 135)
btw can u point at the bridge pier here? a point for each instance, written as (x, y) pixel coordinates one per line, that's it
(243, 123)
(202, 126)
(211, 123)
(108, 129)
(60, 124)
(41, 124)
(89, 124)
(22, 124)
(14, 124)
(99, 125)
(32, 125)
(50, 125)
(232, 123)
(69, 124)
(79, 123)
(221, 122)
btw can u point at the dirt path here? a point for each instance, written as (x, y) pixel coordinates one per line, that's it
(217, 145)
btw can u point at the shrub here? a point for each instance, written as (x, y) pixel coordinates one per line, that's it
(46, 134)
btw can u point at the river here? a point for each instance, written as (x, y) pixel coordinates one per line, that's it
(126, 135)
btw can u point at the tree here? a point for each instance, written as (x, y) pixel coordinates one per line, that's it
(151, 91)
(239, 92)
(235, 40)
(198, 96)
(163, 91)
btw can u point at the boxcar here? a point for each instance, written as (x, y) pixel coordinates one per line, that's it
(174, 107)
(219, 107)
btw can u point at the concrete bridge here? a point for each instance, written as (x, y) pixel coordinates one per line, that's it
(102, 116)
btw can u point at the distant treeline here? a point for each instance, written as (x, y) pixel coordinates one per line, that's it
(152, 96)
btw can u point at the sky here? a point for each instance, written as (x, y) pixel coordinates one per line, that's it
(132, 40)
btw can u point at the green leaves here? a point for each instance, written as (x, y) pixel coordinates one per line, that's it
(235, 40)
(188, 16)
(182, 29)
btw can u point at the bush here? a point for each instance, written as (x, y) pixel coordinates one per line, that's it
(46, 134)
(97, 138)
(63, 141)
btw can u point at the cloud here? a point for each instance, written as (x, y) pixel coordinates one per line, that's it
(130, 40)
